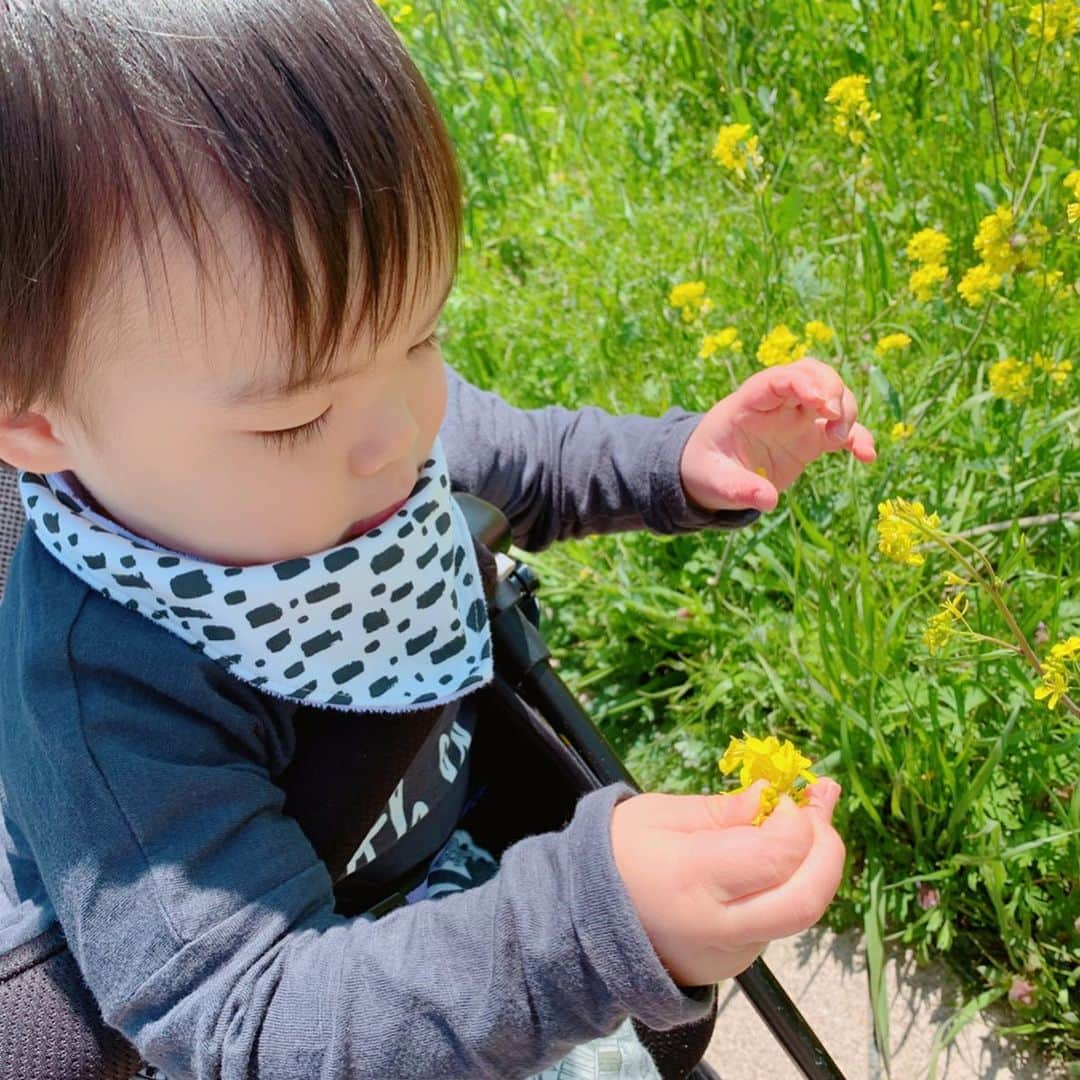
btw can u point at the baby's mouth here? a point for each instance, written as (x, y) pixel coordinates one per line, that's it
(358, 528)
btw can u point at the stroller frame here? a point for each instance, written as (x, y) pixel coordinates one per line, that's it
(523, 660)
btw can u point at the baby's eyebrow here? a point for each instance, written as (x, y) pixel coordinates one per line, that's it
(259, 390)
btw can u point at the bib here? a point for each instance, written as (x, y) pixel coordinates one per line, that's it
(391, 621)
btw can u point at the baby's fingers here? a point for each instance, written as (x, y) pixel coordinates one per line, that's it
(801, 900)
(739, 862)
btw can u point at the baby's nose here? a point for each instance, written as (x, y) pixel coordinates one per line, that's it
(384, 442)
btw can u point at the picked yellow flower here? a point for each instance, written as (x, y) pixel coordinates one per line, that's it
(892, 343)
(778, 763)
(900, 525)
(735, 148)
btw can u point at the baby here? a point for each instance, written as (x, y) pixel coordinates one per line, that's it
(245, 636)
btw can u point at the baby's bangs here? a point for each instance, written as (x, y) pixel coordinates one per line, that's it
(307, 114)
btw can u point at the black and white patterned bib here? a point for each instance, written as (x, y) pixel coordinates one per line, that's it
(391, 621)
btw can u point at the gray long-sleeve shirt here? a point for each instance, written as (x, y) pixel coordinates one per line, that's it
(151, 804)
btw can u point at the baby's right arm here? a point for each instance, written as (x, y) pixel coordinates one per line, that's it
(142, 777)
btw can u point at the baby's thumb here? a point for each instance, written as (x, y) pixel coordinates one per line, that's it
(694, 813)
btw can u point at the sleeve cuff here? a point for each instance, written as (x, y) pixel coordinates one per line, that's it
(609, 927)
(672, 512)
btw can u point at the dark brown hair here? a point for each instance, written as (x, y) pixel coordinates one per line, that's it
(308, 114)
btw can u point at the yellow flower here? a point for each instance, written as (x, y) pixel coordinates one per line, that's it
(928, 246)
(735, 148)
(768, 759)
(891, 342)
(1010, 379)
(1069, 649)
(1058, 370)
(1050, 280)
(977, 282)
(689, 292)
(780, 346)
(1072, 183)
(1054, 19)
(403, 13)
(1072, 213)
(690, 298)
(924, 281)
(726, 339)
(900, 525)
(993, 241)
(1054, 685)
(941, 627)
(901, 431)
(848, 97)
(819, 332)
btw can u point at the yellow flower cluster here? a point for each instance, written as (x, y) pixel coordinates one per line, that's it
(778, 763)
(942, 626)
(782, 346)
(1072, 210)
(927, 248)
(1058, 370)
(736, 148)
(726, 340)
(891, 343)
(690, 299)
(1050, 280)
(900, 525)
(993, 241)
(1054, 19)
(901, 431)
(977, 283)
(1012, 379)
(1002, 250)
(853, 112)
(1055, 675)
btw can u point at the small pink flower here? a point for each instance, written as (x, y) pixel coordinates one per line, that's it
(684, 613)
(929, 897)
(1021, 991)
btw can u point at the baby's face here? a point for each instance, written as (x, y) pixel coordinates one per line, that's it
(180, 456)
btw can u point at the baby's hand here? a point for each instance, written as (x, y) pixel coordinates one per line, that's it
(711, 889)
(755, 442)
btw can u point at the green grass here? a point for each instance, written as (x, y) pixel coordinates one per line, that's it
(585, 133)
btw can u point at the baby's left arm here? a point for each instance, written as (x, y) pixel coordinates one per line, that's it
(559, 473)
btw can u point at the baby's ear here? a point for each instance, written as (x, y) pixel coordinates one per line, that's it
(28, 441)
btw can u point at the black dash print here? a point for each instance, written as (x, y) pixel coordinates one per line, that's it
(265, 613)
(188, 586)
(320, 642)
(290, 568)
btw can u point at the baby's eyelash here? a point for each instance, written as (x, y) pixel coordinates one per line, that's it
(290, 437)
(434, 339)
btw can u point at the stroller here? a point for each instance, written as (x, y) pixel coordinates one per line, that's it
(559, 756)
